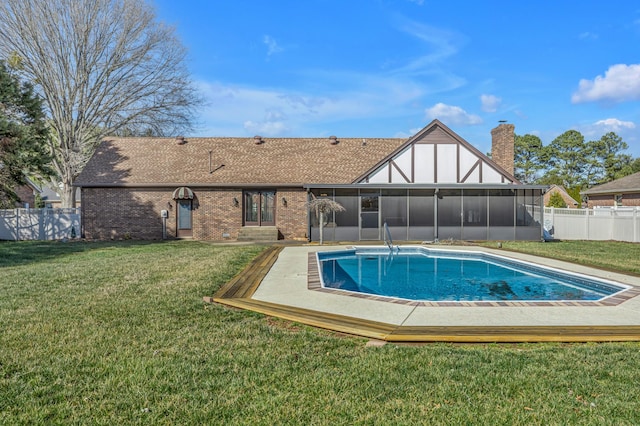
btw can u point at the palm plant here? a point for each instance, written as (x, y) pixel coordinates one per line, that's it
(324, 207)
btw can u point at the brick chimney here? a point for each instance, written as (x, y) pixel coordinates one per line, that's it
(503, 146)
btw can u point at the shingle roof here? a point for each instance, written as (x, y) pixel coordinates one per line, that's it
(277, 161)
(629, 183)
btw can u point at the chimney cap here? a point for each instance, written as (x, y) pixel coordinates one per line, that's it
(333, 140)
(257, 139)
(180, 140)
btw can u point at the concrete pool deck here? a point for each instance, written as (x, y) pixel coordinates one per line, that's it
(285, 288)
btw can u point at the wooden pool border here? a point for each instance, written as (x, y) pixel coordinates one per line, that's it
(237, 293)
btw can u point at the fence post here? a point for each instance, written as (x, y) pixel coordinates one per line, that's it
(586, 224)
(635, 225)
(17, 229)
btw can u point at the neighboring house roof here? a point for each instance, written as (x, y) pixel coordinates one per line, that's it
(626, 184)
(568, 199)
(285, 161)
(47, 193)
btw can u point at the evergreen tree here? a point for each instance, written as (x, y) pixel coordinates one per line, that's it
(605, 161)
(23, 136)
(530, 157)
(556, 200)
(567, 159)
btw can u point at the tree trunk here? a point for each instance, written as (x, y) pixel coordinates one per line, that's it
(321, 226)
(68, 195)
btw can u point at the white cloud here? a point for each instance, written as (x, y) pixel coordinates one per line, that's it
(614, 125)
(442, 45)
(339, 95)
(490, 103)
(450, 114)
(266, 128)
(272, 45)
(620, 83)
(624, 129)
(588, 36)
(407, 135)
(234, 110)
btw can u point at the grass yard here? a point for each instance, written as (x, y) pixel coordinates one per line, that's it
(613, 255)
(117, 333)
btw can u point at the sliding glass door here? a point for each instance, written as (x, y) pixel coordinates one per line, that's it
(259, 208)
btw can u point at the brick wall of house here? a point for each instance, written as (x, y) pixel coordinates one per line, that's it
(117, 213)
(121, 213)
(631, 200)
(291, 219)
(600, 200)
(215, 214)
(25, 194)
(628, 200)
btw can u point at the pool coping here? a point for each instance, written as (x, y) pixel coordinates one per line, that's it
(276, 284)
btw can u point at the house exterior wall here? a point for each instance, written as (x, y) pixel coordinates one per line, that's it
(123, 213)
(25, 193)
(608, 200)
(631, 200)
(571, 203)
(291, 219)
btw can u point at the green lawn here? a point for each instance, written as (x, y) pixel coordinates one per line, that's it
(618, 256)
(117, 333)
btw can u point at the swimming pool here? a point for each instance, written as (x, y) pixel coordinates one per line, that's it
(425, 274)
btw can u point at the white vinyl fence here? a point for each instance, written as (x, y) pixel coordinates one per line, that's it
(620, 224)
(39, 224)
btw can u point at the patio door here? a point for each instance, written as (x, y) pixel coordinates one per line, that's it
(369, 217)
(184, 218)
(259, 208)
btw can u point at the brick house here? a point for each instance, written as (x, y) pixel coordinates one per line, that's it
(568, 199)
(26, 194)
(253, 188)
(623, 192)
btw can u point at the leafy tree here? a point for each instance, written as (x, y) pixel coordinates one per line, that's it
(566, 158)
(39, 202)
(23, 136)
(102, 67)
(556, 200)
(530, 157)
(605, 160)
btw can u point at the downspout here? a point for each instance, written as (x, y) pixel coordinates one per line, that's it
(308, 216)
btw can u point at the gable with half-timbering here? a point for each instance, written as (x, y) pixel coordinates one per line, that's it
(436, 155)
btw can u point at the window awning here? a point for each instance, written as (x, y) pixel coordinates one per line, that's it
(183, 193)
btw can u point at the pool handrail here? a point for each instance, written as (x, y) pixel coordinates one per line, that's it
(387, 237)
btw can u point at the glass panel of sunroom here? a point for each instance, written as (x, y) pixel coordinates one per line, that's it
(501, 214)
(394, 212)
(347, 221)
(474, 214)
(421, 214)
(449, 213)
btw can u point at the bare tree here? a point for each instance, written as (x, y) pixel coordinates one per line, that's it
(323, 208)
(102, 67)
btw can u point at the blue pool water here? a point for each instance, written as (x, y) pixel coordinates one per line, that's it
(447, 275)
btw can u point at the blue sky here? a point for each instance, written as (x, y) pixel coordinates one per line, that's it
(386, 68)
